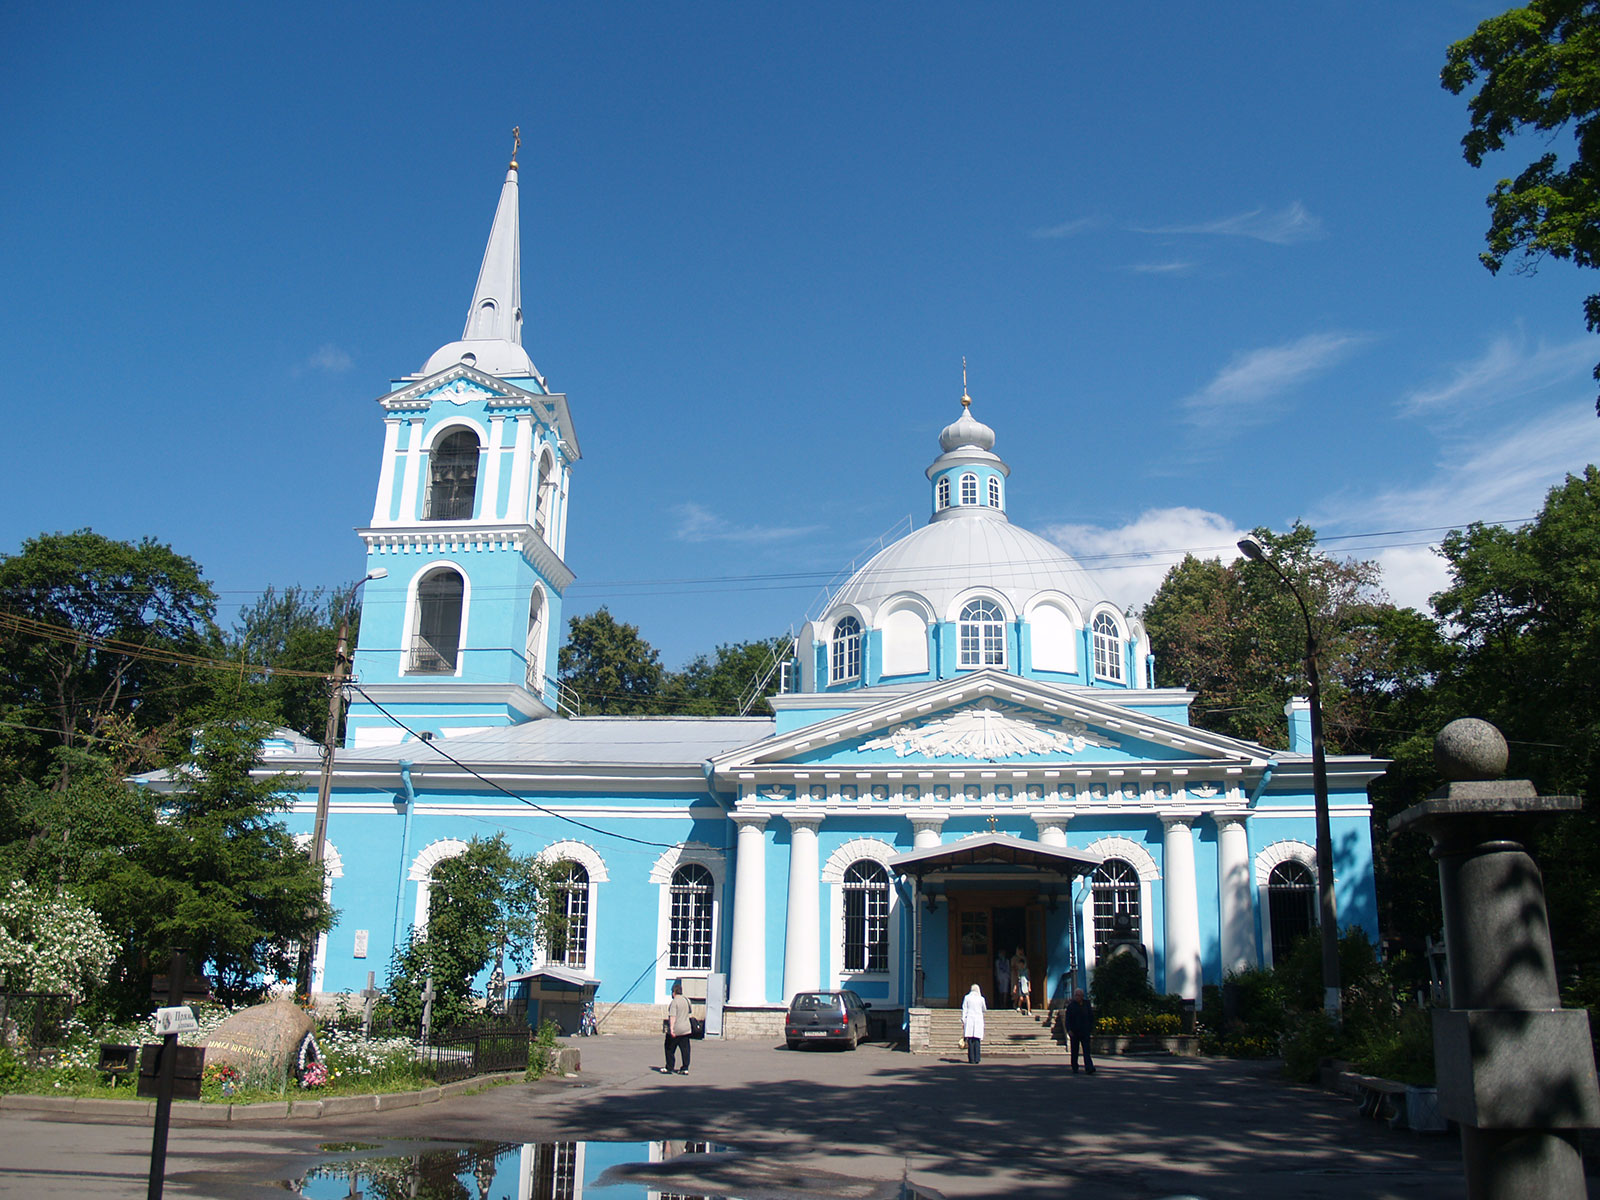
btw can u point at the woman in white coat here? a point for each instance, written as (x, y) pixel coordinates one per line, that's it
(972, 1010)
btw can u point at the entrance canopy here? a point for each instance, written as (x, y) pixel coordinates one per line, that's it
(983, 856)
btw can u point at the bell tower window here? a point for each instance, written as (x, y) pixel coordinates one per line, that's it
(981, 634)
(453, 477)
(437, 641)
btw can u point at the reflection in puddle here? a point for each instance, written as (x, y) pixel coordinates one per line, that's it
(670, 1170)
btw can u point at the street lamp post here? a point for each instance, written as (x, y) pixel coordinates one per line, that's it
(1328, 911)
(319, 830)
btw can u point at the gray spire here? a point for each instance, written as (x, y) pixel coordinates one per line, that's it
(496, 312)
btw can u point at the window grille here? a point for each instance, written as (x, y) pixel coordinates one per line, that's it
(1291, 905)
(689, 933)
(452, 477)
(846, 650)
(1115, 886)
(969, 489)
(866, 917)
(994, 491)
(981, 635)
(1107, 648)
(437, 640)
(570, 941)
(554, 1171)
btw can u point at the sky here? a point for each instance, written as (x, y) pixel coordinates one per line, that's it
(1211, 266)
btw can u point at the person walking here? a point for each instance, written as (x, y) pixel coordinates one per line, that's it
(972, 1010)
(1024, 987)
(1080, 1027)
(1002, 979)
(677, 1030)
(1019, 979)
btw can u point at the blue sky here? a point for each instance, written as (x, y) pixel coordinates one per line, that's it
(1212, 266)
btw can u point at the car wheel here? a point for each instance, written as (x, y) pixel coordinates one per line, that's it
(850, 1040)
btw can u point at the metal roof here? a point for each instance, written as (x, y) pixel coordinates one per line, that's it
(995, 849)
(618, 741)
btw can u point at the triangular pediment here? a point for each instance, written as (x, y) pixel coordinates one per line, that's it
(990, 718)
(460, 384)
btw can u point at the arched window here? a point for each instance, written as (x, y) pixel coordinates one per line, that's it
(533, 651)
(1107, 648)
(569, 943)
(452, 477)
(981, 635)
(437, 639)
(1291, 905)
(543, 496)
(689, 929)
(943, 492)
(846, 662)
(866, 917)
(994, 491)
(969, 489)
(1115, 887)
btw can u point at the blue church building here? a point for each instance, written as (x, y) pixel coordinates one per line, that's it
(969, 759)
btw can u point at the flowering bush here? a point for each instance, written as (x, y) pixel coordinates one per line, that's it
(50, 943)
(1144, 1024)
(315, 1076)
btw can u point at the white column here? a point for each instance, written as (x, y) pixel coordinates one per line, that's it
(747, 982)
(408, 484)
(1182, 908)
(1238, 927)
(802, 939)
(490, 510)
(925, 832)
(384, 504)
(1052, 830)
(521, 463)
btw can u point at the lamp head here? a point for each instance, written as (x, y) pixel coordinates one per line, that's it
(377, 573)
(1251, 549)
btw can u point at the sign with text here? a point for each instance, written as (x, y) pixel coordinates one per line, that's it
(178, 1019)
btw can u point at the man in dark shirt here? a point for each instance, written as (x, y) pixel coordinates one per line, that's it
(1080, 1027)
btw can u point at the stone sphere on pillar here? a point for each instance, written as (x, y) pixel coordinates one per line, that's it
(1469, 749)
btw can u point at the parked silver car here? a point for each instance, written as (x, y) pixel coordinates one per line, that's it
(826, 1017)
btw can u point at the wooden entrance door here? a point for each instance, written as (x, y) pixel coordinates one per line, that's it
(973, 946)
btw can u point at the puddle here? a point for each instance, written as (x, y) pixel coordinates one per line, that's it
(666, 1170)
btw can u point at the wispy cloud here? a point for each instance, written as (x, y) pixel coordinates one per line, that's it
(1243, 390)
(1066, 229)
(1179, 267)
(1282, 228)
(696, 523)
(330, 358)
(1130, 561)
(1507, 369)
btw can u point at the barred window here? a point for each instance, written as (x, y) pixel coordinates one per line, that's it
(689, 944)
(866, 917)
(943, 492)
(570, 942)
(554, 1173)
(969, 489)
(452, 477)
(1107, 648)
(981, 635)
(994, 491)
(1115, 886)
(1291, 905)
(436, 641)
(846, 650)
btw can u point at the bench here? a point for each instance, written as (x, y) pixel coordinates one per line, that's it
(1381, 1099)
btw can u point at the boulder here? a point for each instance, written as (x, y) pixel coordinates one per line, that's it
(263, 1042)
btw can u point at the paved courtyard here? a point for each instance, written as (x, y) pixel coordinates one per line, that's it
(1158, 1127)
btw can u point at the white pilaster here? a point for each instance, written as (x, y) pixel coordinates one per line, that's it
(1238, 927)
(802, 939)
(925, 832)
(521, 463)
(408, 483)
(491, 476)
(1052, 830)
(383, 506)
(748, 971)
(1181, 908)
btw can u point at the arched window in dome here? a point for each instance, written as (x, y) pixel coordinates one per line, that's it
(1107, 648)
(981, 634)
(942, 493)
(452, 477)
(969, 489)
(436, 640)
(846, 659)
(994, 491)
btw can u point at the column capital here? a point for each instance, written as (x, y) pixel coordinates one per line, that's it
(1173, 820)
(1225, 819)
(919, 823)
(746, 820)
(811, 821)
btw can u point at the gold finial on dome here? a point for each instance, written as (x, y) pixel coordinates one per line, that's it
(966, 400)
(516, 144)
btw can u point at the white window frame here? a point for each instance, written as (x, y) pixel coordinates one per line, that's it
(844, 650)
(969, 488)
(413, 626)
(661, 875)
(1145, 864)
(587, 857)
(832, 873)
(1107, 648)
(942, 493)
(421, 874)
(994, 492)
(1270, 857)
(984, 630)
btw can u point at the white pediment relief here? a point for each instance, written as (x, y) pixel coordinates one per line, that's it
(459, 391)
(984, 731)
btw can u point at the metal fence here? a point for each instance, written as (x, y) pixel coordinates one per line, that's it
(33, 1021)
(476, 1050)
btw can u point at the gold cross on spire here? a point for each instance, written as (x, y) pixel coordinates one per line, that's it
(516, 144)
(966, 400)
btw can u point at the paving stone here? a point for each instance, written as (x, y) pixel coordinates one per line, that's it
(90, 1107)
(305, 1108)
(260, 1112)
(396, 1100)
(334, 1106)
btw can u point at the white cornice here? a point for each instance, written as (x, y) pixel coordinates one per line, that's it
(440, 537)
(456, 694)
(552, 407)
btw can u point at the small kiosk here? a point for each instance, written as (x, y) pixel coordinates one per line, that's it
(551, 993)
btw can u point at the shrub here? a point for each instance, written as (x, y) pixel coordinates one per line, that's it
(12, 1072)
(1140, 1025)
(1310, 1038)
(542, 1053)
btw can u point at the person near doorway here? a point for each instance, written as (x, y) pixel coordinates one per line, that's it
(676, 1027)
(1024, 987)
(1080, 1027)
(1019, 979)
(972, 1010)
(1002, 979)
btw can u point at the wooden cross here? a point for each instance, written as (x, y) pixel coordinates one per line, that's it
(427, 1009)
(369, 1001)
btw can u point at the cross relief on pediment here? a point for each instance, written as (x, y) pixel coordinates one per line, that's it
(986, 731)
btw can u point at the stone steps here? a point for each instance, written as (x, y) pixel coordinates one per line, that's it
(1006, 1034)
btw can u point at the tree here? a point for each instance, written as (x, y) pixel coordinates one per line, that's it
(716, 687)
(50, 943)
(486, 904)
(295, 630)
(91, 628)
(610, 666)
(1540, 71)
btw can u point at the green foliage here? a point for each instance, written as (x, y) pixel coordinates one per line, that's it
(1146, 1024)
(295, 630)
(716, 686)
(50, 943)
(542, 1053)
(1309, 1037)
(12, 1071)
(1538, 71)
(610, 667)
(1121, 988)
